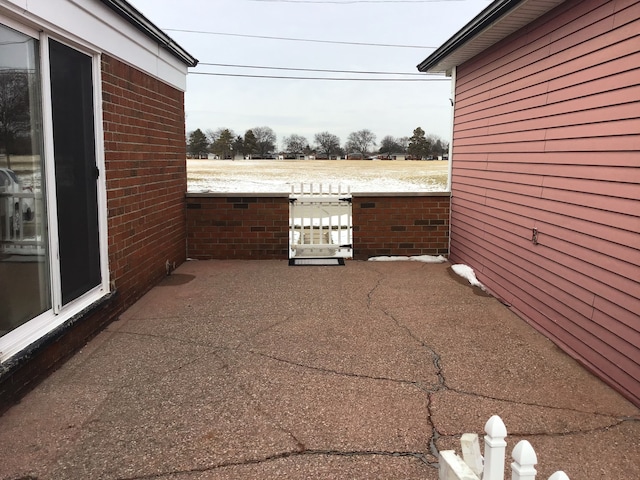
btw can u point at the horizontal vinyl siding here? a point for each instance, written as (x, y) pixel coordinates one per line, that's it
(547, 136)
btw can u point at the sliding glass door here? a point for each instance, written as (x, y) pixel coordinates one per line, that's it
(52, 247)
(75, 169)
(24, 261)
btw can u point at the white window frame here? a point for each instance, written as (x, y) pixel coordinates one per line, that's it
(25, 335)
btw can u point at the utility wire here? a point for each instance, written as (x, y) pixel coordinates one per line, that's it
(309, 69)
(347, 2)
(292, 39)
(324, 78)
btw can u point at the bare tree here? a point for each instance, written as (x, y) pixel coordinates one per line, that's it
(362, 141)
(438, 146)
(213, 135)
(390, 145)
(265, 140)
(15, 119)
(328, 144)
(295, 144)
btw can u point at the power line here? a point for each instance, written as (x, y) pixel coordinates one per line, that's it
(348, 2)
(292, 39)
(309, 69)
(323, 78)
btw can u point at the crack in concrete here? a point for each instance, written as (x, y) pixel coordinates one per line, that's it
(435, 434)
(331, 371)
(435, 357)
(288, 454)
(532, 404)
(260, 331)
(257, 405)
(601, 429)
(430, 390)
(442, 386)
(359, 453)
(372, 291)
(516, 434)
(436, 360)
(187, 341)
(215, 350)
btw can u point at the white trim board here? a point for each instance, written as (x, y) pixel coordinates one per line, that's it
(94, 26)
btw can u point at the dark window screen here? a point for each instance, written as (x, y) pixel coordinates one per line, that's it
(75, 165)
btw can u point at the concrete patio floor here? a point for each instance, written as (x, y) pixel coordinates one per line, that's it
(254, 369)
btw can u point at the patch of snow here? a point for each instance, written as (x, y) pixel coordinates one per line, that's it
(428, 258)
(415, 258)
(465, 271)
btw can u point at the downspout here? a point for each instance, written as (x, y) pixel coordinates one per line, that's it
(453, 118)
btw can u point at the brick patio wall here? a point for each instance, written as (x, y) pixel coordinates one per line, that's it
(220, 226)
(145, 156)
(400, 224)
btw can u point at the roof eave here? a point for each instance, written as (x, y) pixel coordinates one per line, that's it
(460, 47)
(138, 20)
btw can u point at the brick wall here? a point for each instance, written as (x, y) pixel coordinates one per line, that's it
(256, 227)
(247, 227)
(400, 225)
(145, 156)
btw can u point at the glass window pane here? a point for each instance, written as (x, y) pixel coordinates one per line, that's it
(24, 272)
(75, 162)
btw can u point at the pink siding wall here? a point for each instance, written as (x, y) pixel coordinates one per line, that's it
(547, 136)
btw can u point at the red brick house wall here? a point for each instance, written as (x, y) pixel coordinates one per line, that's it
(145, 157)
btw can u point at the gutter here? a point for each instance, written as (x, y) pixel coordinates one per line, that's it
(484, 19)
(138, 20)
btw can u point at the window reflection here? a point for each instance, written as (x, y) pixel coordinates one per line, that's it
(24, 277)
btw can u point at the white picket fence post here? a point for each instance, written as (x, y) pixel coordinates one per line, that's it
(474, 467)
(559, 476)
(524, 459)
(494, 448)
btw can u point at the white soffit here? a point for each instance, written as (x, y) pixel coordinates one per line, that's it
(476, 42)
(92, 24)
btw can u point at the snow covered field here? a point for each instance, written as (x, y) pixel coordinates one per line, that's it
(277, 176)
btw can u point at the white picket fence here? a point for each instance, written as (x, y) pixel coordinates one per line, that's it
(320, 221)
(17, 232)
(472, 466)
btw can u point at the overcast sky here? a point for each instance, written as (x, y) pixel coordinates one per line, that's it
(307, 107)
